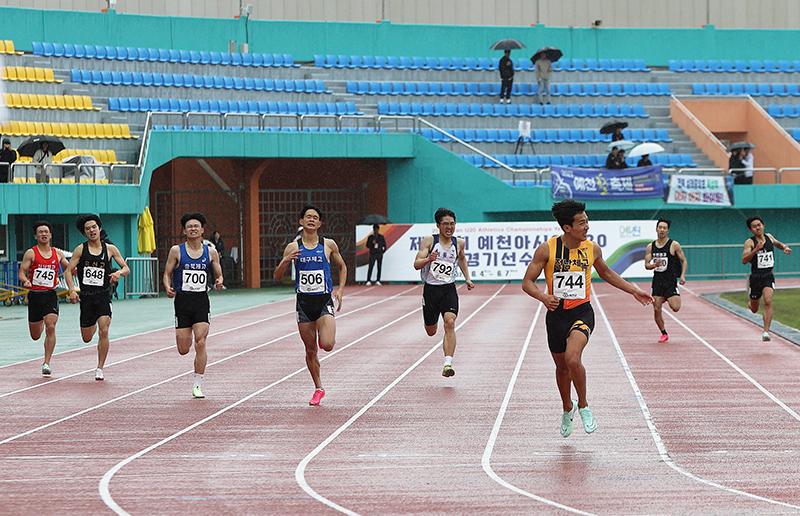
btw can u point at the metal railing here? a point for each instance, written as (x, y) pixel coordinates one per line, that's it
(724, 261)
(143, 279)
(733, 171)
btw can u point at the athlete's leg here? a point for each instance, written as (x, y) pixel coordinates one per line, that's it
(200, 331)
(767, 294)
(658, 315)
(326, 326)
(103, 323)
(36, 329)
(563, 380)
(183, 338)
(449, 341)
(50, 321)
(88, 332)
(431, 330)
(308, 332)
(754, 303)
(674, 303)
(576, 342)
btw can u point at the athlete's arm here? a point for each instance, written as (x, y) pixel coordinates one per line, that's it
(337, 260)
(423, 258)
(614, 279)
(291, 252)
(780, 245)
(173, 259)
(678, 251)
(648, 257)
(750, 250)
(24, 268)
(462, 262)
(73, 262)
(216, 267)
(535, 268)
(113, 252)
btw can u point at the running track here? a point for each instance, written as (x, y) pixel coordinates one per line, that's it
(704, 424)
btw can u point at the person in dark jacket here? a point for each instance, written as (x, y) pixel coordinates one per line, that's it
(736, 167)
(376, 244)
(616, 159)
(7, 157)
(644, 161)
(506, 69)
(617, 134)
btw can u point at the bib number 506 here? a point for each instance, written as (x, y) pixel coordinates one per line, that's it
(311, 282)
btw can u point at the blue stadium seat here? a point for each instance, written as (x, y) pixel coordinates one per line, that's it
(737, 89)
(785, 66)
(417, 63)
(431, 63)
(792, 89)
(640, 65)
(698, 89)
(788, 111)
(615, 89)
(662, 135)
(751, 89)
(779, 90)
(740, 66)
(764, 90)
(613, 110)
(404, 63)
(638, 111)
(602, 90)
(756, 66)
(459, 88)
(770, 66)
(385, 88)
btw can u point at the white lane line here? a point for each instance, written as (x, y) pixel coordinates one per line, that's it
(105, 493)
(660, 446)
(162, 382)
(299, 473)
(487, 452)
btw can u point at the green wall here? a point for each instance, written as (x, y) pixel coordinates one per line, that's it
(303, 39)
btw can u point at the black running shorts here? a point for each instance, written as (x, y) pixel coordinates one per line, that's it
(93, 307)
(311, 307)
(438, 300)
(191, 308)
(560, 323)
(759, 283)
(41, 303)
(665, 288)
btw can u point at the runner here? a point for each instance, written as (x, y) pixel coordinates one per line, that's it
(436, 261)
(185, 278)
(758, 252)
(567, 262)
(39, 273)
(666, 257)
(93, 262)
(313, 255)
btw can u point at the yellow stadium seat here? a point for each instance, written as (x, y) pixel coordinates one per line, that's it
(27, 128)
(30, 74)
(19, 180)
(116, 129)
(112, 156)
(38, 74)
(5, 73)
(32, 180)
(101, 181)
(69, 102)
(25, 159)
(91, 131)
(47, 128)
(72, 131)
(78, 100)
(87, 103)
(25, 100)
(40, 102)
(87, 181)
(8, 100)
(126, 132)
(9, 73)
(49, 77)
(52, 103)
(38, 127)
(55, 180)
(21, 74)
(5, 127)
(60, 101)
(14, 129)
(9, 48)
(2, 47)
(68, 181)
(78, 130)
(105, 131)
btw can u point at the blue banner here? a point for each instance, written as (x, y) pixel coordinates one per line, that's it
(629, 183)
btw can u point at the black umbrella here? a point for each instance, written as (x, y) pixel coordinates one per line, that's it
(610, 127)
(741, 145)
(507, 44)
(369, 220)
(553, 54)
(34, 143)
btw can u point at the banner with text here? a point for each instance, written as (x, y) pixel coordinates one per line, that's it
(502, 250)
(630, 183)
(698, 190)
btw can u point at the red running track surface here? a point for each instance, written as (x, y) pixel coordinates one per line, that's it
(705, 423)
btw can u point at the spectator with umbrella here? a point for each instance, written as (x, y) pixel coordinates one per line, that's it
(614, 129)
(7, 157)
(644, 150)
(737, 166)
(506, 67)
(41, 149)
(543, 61)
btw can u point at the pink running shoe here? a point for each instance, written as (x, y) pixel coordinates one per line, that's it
(663, 338)
(318, 395)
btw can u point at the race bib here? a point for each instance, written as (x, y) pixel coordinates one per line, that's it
(194, 281)
(569, 285)
(661, 268)
(765, 260)
(441, 270)
(93, 276)
(311, 282)
(44, 277)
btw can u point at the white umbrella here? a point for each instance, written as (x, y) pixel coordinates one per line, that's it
(621, 145)
(645, 148)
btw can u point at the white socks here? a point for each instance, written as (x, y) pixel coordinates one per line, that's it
(448, 361)
(198, 379)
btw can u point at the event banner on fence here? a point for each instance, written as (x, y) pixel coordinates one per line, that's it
(500, 251)
(698, 190)
(630, 183)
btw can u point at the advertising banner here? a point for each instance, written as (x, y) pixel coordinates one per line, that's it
(698, 190)
(500, 251)
(630, 183)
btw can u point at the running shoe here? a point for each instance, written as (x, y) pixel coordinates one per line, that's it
(765, 337)
(46, 370)
(197, 393)
(448, 371)
(588, 420)
(378, 283)
(98, 374)
(317, 397)
(663, 338)
(368, 283)
(566, 420)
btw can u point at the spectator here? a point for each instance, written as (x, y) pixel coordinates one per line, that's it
(218, 244)
(506, 69)
(644, 161)
(617, 134)
(747, 161)
(7, 157)
(41, 157)
(376, 244)
(736, 168)
(543, 67)
(616, 159)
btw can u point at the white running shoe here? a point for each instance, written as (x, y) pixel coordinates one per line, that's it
(98, 374)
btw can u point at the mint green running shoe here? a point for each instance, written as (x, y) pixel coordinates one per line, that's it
(566, 420)
(197, 393)
(46, 371)
(589, 423)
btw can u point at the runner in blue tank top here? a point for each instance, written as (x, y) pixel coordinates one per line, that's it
(313, 255)
(436, 260)
(185, 278)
